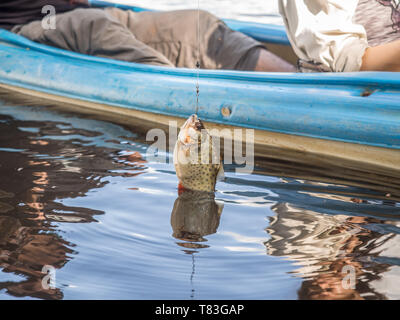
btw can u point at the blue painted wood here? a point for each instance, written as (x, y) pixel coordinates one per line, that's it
(326, 106)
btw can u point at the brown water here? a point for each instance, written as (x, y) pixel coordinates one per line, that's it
(79, 195)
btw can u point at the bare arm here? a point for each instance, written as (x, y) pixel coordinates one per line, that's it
(385, 57)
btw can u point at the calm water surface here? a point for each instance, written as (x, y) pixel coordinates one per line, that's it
(79, 195)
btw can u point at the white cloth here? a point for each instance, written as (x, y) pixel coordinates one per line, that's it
(323, 31)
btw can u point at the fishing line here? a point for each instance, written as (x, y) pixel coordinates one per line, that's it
(198, 57)
(192, 276)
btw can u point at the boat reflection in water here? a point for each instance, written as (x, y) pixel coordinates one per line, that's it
(62, 173)
(38, 169)
(28, 240)
(328, 248)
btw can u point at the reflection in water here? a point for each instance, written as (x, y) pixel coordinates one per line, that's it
(41, 164)
(322, 245)
(24, 250)
(65, 202)
(195, 214)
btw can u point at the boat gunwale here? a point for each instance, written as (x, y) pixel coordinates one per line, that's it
(365, 78)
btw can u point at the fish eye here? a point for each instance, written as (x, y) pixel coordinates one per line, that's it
(199, 125)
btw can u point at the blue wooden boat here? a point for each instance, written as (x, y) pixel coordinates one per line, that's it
(348, 116)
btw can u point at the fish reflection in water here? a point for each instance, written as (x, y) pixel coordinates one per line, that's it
(322, 245)
(195, 214)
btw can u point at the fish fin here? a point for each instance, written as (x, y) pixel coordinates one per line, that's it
(221, 173)
(181, 188)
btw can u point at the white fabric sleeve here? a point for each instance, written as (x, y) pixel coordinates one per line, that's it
(322, 31)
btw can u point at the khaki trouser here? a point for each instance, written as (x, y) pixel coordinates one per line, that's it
(157, 38)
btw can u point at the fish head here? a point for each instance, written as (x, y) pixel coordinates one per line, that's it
(192, 131)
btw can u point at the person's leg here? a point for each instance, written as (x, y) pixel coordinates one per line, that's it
(174, 34)
(269, 62)
(93, 32)
(167, 32)
(237, 51)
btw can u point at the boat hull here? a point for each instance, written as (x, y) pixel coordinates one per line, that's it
(266, 143)
(349, 116)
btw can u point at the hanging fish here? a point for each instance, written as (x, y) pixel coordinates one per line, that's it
(196, 157)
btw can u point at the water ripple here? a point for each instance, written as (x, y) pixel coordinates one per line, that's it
(79, 194)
